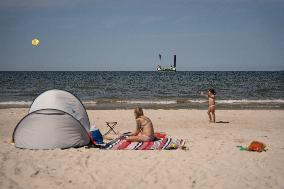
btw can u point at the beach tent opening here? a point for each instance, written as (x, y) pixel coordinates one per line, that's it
(56, 119)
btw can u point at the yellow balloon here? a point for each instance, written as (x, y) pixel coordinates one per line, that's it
(35, 42)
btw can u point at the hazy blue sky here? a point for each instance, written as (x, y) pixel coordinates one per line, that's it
(129, 34)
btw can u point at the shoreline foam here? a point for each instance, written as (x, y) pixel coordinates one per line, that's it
(165, 104)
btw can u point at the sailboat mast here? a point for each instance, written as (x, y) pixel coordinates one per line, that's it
(160, 57)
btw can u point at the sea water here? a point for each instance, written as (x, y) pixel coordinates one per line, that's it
(111, 90)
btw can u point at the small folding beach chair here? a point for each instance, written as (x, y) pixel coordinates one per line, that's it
(111, 126)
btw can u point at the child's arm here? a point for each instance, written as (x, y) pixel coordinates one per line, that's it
(203, 94)
(211, 96)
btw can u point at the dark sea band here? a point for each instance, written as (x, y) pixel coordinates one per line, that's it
(165, 90)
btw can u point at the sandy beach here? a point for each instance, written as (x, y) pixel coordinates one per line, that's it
(211, 161)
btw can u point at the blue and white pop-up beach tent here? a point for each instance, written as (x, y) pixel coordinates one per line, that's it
(56, 119)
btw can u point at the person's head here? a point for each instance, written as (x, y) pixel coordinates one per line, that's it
(138, 112)
(212, 91)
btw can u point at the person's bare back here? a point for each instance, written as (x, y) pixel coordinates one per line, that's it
(146, 126)
(211, 100)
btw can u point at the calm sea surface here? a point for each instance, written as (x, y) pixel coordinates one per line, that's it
(110, 90)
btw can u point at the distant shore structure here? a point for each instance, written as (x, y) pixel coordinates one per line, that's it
(172, 68)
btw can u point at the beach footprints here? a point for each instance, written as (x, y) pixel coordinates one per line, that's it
(86, 161)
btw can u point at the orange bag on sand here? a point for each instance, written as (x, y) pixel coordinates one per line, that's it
(256, 146)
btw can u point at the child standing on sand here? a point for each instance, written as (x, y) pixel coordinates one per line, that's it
(211, 103)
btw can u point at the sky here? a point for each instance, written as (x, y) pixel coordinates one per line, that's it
(128, 35)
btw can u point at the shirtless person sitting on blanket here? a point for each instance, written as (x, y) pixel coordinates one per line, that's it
(144, 131)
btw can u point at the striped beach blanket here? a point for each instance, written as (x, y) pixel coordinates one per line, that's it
(159, 144)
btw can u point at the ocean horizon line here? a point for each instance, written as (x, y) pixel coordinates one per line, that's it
(140, 71)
